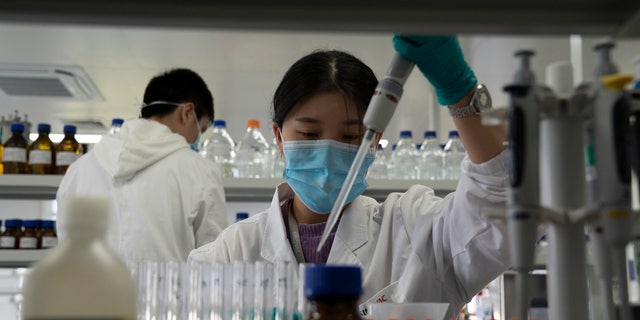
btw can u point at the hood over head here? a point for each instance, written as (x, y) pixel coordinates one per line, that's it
(140, 143)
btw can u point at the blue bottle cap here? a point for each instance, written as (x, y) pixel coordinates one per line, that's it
(405, 134)
(332, 281)
(453, 133)
(11, 223)
(30, 224)
(430, 134)
(44, 127)
(69, 128)
(219, 123)
(48, 223)
(17, 127)
(117, 121)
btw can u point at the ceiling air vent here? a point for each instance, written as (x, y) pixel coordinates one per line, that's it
(50, 82)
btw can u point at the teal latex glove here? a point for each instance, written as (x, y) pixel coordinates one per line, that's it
(440, 59)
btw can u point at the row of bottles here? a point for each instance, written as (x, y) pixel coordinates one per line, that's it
(28, 234)
(427, 161)
(254, 157)
(41, 156)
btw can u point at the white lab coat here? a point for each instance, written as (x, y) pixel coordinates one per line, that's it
(413, 247)
(167, 199)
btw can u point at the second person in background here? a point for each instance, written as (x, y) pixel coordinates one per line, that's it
(414, 246)
(167, 199)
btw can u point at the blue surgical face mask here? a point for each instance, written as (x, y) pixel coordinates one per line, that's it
(195, 144)
(316, 170)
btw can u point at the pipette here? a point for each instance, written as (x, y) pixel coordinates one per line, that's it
(381, 108)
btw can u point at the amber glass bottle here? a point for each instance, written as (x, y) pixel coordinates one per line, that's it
(49, 237)
(30, 239)
(14, 155)
(68, 150)
(41, 155)
(10, 238)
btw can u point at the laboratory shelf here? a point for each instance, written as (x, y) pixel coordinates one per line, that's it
(44, 187)
(246, 189)
(25, 186)
(21, 258)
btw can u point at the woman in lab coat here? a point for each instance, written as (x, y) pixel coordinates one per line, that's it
(414, 246)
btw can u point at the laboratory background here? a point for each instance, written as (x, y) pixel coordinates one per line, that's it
(86, 65)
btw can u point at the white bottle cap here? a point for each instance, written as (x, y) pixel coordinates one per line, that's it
(559, 77)
(87, 212)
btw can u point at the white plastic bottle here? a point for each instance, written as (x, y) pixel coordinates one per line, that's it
(404, 158)
(380, 167)
(431, 157)
(82, 277)
(116, 124)
(252, 153)
(219, 148)
(454, 152)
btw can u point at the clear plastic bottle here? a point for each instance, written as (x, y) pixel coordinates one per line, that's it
(276, 159)
(116, 124)
(81, 278)
(332, 292)
(219, 148)
(14, 155)
(484, 305)
(380, 167)
(252, 153)
(404, 158)
(431, 157)
(454, 152)
(41, 155)
(68, 150)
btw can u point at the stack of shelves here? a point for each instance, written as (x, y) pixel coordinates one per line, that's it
(44, 187)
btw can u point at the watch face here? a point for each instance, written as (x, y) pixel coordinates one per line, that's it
(483, 99)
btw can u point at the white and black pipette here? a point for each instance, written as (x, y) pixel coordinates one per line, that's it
(379, 112)
(611, 132)
(523, 196)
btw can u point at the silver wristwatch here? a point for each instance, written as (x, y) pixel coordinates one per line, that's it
(481, 100)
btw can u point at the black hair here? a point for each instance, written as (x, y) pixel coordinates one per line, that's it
(177, 85)
(324, 71)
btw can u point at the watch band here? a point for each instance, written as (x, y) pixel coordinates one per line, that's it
(463, 112)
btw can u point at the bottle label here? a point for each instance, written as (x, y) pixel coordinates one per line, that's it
(40, 157)
(49, 242)
(28, 243)
(12, 154)
(7, 242)
(65, 158)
